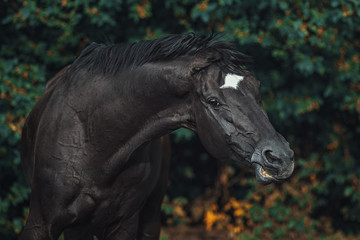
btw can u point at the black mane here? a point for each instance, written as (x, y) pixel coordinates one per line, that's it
(112, 59)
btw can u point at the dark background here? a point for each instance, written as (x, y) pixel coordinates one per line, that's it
(307, 58)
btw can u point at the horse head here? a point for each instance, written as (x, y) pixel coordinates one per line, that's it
(231, 121)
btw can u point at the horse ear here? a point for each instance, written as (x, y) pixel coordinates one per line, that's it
(204, 60)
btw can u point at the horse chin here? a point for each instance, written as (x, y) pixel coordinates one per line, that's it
(243, 162)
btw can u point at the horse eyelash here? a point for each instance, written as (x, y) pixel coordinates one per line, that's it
(197, 70)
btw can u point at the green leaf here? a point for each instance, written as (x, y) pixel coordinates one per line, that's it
(257, 213)
(167, 209)
(348, 191)
(25, 12)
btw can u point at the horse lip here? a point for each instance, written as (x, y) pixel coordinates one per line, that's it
(262, 176)
(264, 173)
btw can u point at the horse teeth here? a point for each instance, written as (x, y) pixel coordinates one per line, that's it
(264, 173)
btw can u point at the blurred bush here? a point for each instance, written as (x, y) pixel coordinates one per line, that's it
(307, 57)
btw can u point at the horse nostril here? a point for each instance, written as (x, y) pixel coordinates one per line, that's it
(270, 157)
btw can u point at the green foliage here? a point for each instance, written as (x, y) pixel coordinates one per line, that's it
(307, 57)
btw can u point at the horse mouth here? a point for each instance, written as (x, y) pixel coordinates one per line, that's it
(263, 176)
(264, 173)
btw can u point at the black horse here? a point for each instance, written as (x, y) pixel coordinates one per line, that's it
(93, 147)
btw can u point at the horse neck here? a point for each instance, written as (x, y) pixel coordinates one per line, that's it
(143, 109)
(151, 103)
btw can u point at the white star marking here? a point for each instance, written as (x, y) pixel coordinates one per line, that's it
(232, 81)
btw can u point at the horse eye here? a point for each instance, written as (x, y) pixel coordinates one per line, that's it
(196, 70)
(213, 102)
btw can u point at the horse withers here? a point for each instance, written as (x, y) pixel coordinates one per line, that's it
(94, 148)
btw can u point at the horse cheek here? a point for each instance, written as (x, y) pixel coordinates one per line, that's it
(211, 135)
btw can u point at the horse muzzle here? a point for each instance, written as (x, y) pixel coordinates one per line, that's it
(273, 161)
